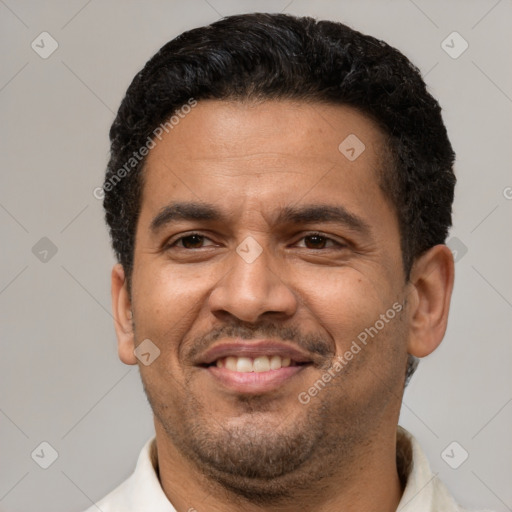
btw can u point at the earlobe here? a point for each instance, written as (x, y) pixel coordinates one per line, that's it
(432, 279)
(121, 308)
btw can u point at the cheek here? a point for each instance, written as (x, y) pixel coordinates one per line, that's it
(345, 303)
(166, 306)
(164, 295)
(363, 321)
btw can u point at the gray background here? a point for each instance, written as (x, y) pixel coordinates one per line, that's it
(61, 380)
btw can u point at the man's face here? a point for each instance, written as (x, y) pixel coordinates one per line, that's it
(208, 292)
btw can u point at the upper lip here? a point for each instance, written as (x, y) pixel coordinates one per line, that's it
(253, 349)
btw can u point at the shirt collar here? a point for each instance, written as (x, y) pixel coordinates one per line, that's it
(423, 492)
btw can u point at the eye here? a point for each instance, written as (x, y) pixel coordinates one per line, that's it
(318, 240)
(190, 241)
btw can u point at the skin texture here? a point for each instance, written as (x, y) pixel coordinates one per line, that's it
(219, 449)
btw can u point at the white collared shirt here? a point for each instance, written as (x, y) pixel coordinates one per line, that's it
(424, 492)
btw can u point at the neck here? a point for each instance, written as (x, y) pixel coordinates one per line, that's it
(371, 483)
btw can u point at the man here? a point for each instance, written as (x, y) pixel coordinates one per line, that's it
(278, 195)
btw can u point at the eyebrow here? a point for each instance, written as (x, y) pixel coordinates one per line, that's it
(192, 211)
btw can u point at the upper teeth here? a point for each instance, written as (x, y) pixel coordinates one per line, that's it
(249, 364)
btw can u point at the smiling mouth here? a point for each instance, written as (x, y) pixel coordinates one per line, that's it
(255, 364)
(254, 375)
(253, 367)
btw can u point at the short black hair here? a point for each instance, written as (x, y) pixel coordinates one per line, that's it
(264, 56)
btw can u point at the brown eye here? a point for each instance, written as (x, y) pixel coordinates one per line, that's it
(319, 241)
(190, 241)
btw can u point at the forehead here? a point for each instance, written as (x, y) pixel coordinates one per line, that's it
(216, 129)
(265, 154)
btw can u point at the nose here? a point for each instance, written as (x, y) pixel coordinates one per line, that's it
(251, 289)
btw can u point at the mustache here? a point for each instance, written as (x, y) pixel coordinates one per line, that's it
(316, 345)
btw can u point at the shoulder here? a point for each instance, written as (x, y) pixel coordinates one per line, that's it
(424, 491)
(140, 491)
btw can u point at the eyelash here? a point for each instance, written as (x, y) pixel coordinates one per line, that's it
(314, 233)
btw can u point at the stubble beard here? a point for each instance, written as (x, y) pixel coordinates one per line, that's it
(270, 458)
(264, 461)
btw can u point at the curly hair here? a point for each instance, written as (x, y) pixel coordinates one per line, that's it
(276, 56)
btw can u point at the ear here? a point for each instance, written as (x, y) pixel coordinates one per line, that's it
(432, 279)
(122, 309)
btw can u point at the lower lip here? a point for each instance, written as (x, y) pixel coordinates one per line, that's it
(254, 382)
